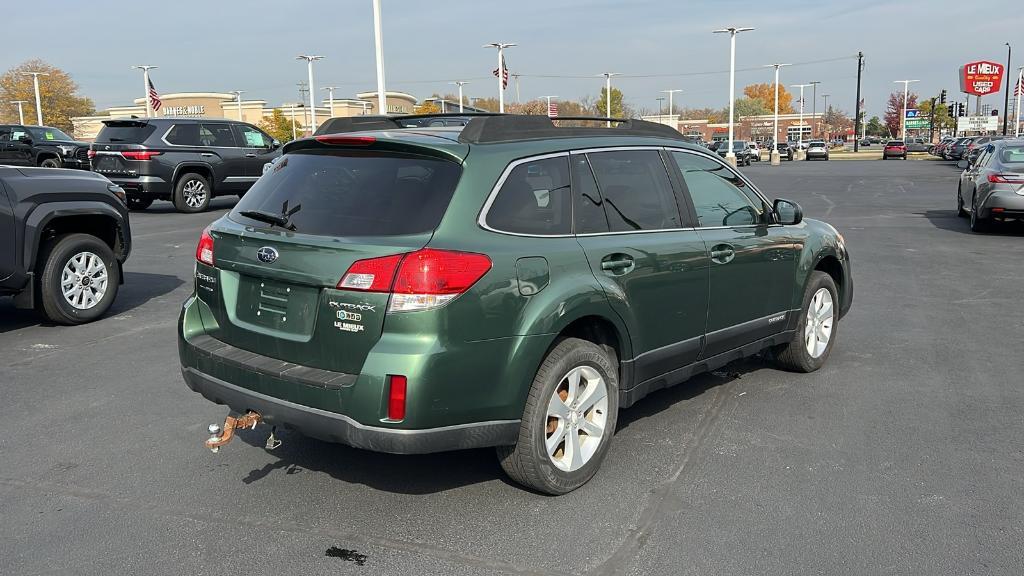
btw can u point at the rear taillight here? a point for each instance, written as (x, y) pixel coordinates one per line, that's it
(204, 251)
(1006, 178)
(91, 154)
(397, 387)
(139, 154)
(419, 280)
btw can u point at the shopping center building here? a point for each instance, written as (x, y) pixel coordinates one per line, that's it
(758, 128)
(224, 105)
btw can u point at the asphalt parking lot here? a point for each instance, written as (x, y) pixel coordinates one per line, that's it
(903, 455)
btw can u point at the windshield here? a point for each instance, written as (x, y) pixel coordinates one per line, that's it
(739, 145)
(352, 193)
(47, 133)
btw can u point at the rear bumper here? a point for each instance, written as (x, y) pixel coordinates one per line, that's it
(1011, 203)
(141, 186)
(334, 427)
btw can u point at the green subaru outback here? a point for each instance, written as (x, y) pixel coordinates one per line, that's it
(510, 283)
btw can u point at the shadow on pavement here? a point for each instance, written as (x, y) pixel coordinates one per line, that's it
(138, 288)
(948, 220)
(431, 473)
(166, 207)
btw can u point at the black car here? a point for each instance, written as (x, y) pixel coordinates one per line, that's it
(185, 160)
(956, 150)
(785, 150)
(744, 155)
(63, 237)
(44, 146)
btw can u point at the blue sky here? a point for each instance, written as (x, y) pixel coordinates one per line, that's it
(226, 45)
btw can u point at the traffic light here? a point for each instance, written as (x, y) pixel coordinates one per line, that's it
(954, 109)
(942, 97)
(995, 112)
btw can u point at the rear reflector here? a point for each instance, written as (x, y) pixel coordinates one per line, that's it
(139, 154)
(204, 251)
(339, 140)
(396, 397)
(419, 280)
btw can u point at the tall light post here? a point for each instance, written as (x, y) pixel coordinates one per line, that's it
(35, 83)
(906, 90)
(814, 104)
(378, 43)
(730, 156)
(671, 109)
(312, 89)
(238, 100)
(501, 70)
(1006, 90)
(293, 122)
(825, 119)
(661, 107)
(608, 95)
(330, 98)
(1017, 109)
(774, 154)
(548, 98)
(460, 84)
(800, 127)
(21, 111)
(145, 87)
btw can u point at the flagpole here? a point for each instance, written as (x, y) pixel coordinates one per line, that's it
(500, 71)
(145, 87)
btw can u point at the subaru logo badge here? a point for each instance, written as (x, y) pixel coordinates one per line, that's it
(266, 254)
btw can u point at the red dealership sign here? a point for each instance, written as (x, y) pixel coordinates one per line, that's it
(981, 78)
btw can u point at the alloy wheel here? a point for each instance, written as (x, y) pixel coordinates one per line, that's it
(195, 193)
(818, 324)
(576, 418)
(83, 281)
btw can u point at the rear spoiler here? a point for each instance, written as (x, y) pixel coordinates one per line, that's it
(125, 122)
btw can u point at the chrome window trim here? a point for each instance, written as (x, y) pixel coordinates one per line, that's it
(482, 218)
(168, 131)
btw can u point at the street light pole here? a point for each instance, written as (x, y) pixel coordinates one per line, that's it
(814, 104)
(774, 154)
(21, 111)
(312, 89)
(1006, 91)
(501, 72)
(238, 100)
(35, 83)
(378, 42)
(608, 95)
(730, 156)
(906, 90)
(460, 84)
(330, 98)
(825, 119)
(293, 122)
(661, 107)
(145, 87)
(800, 128)
(671, 109)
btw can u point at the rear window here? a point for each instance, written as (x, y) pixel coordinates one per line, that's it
(895, 143)
(816, 143)
(126, 132)
(1012, 155)
(353, 193)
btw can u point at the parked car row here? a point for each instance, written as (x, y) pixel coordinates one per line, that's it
(950, 148)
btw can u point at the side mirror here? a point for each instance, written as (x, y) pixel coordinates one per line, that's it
(275, 144)
(788, 212)
(25, 139)
(963, 165)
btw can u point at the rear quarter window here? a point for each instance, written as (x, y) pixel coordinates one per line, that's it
(534, 199)
(353, 193)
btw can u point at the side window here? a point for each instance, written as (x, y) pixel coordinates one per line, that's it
(216, 135)
(252, 138)
(534, 199)
(636, 190)
(5, 133)
(720, 197)
(17, 133)
(588, 211)
(183, 135)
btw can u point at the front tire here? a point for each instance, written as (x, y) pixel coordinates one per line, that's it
(51, 163)
(979, 225)
(79, 280)
(816, 332)
(960, 212)
(192, 193)
(569, 419)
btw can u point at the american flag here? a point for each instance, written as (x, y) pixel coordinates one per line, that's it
(154, 98)
(553, 110)
(1017, 88)
(504, 73)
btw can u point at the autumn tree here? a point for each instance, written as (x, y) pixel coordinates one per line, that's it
(431, 107)
(894, 111)
(941, 120)
(279, 126)
(765, 94)
(58, 94)
(533, 107)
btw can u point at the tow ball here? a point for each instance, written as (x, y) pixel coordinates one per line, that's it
(220, 436)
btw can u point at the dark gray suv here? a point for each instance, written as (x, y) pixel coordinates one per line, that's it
(185, 160)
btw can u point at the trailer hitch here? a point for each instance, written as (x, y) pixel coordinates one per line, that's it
(220, 436)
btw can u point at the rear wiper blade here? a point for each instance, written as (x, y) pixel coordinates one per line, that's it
(268, 217)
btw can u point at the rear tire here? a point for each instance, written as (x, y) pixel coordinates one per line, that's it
(66, 263)
(801, 354)
(573, 458)
(192, 193)
(136, 203)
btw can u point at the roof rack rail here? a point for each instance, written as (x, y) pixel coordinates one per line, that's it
(515, 127)
(360, 123)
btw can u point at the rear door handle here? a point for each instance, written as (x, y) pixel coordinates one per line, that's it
(250, 155)
(722, 253)
(206, 154)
